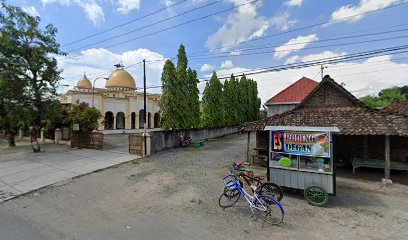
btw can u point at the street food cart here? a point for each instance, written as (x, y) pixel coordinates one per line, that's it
(302, 158)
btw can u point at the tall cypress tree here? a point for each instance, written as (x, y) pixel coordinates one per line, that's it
(234, 100)
(213, 115)
(180, 105)
(226, 104)
(193, 99)
(170, 103)
(182, 82)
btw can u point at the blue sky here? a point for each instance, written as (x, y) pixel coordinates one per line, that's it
(76, 19)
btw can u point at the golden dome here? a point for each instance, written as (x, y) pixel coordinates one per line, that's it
(84, 82)
(121, 79)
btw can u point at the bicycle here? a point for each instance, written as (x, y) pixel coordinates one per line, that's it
(265, 187)
(267, 207)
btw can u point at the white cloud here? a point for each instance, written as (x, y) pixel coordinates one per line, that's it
(363, 78)
(90, 62)
(294, 3)
(282, 21)
(31, 11)
(314, 57)
(125, 6)
(363, 6)
(62, 2)
(236, 52)
(245, 23)
(292, 59)
(227, 64)
(323, 55)
(207, 68)
(92, 9)
(294, 45)
(167, 3)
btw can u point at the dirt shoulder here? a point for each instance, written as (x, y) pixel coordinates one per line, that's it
(174, 195)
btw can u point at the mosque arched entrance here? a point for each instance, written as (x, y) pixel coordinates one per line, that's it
(157, 120)
(108, 121)
(120, 120)
(133, 120)
(142, 118)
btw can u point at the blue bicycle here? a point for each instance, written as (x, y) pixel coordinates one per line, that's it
(267, 207)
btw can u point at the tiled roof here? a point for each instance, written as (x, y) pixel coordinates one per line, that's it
(398, 107)
(350, 121)
(341, 110)
(295, 93)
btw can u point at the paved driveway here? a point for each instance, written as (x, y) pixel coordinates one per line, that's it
(116, 142)
(22, 171)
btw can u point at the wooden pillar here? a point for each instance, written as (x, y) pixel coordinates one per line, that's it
(365, 150)
(387, 157)
(249, 140)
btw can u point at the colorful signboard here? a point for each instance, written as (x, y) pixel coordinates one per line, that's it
(301, 143)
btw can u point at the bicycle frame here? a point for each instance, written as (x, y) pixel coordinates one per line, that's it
(252, 200)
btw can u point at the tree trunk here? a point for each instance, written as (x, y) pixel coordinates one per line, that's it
(9, 134)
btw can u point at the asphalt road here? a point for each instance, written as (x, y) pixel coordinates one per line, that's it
(14, 228)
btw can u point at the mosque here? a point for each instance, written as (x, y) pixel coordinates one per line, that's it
(119, 103)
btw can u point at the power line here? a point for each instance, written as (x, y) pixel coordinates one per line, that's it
(349, 57)
(147, 26)
(308, 42)
(267, 36)
(256, 53)
(178, 25)
(124, 24)
(298, 49)
(309, 26)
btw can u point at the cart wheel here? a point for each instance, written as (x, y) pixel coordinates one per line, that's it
(316, 196)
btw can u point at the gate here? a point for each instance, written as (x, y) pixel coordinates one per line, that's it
(93, 140)
(136, 144)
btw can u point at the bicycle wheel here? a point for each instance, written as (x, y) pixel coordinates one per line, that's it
(228, 198)
(269, 209)
(273, 190)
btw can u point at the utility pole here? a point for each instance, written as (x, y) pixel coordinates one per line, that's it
(321, 69)
(144, 105)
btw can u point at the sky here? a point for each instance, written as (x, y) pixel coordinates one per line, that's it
(230, 36)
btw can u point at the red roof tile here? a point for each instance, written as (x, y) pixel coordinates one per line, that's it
(398, 107)
(295, 93)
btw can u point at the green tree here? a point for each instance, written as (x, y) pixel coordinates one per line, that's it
(31, 51)
(255, 101)
(227, 111)
(171, 101)
(13, 97)
(193, 99)
(187, 82)
(87, 117)
(180, 105)
(385, 97)
(213, 114)
(234, 100)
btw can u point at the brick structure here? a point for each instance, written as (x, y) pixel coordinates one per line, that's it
(364, 132)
